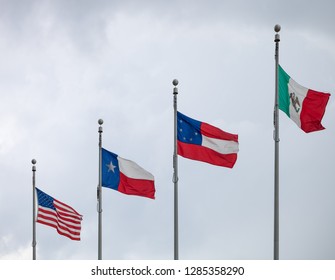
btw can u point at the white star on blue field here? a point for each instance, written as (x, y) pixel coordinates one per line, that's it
(111, 167)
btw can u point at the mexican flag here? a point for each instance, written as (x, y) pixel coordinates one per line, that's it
(304, 106)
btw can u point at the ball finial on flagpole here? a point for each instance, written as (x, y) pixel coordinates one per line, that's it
(277, 36)
(33, 161)
(100, 121)
(175, 89)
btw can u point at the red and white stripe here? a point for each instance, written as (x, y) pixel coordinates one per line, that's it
(135, 180)
(64, 219)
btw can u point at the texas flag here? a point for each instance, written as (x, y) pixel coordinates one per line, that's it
(201, 141)
(126, 176)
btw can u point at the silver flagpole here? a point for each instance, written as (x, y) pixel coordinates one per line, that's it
(33, 161)
(99, 194)
(175, 172)
(276, 140)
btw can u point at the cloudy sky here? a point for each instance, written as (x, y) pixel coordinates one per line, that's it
(65, 64)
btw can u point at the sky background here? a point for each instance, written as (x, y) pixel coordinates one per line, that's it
(65, 64)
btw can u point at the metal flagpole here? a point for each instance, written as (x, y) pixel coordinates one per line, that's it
(276, 140)
(99, 194)
(175, 171)
(33, 161)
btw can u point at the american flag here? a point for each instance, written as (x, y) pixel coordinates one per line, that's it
(62, 217)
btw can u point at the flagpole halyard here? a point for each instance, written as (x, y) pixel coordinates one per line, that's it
(33, 161)
(99, 193)
(276, 140)
(175, 172)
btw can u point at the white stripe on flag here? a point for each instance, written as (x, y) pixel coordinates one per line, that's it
(300, 92)
(133, 170)
(51, 218)
(220, 146)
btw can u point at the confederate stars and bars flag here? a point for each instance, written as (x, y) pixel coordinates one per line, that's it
(201, 141)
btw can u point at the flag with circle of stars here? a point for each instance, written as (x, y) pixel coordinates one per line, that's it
(203, 142)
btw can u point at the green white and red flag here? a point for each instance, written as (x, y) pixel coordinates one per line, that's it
(304, 106)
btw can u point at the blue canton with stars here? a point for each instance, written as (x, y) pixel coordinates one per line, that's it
(110, 170)
(188, 130)
(45, 200)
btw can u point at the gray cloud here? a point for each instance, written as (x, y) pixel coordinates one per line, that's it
(65, 65)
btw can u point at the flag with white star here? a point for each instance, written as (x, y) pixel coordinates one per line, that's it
(126, 176)
(203, 142)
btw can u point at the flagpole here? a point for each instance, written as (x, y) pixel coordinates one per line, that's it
(99, 194)
(175, 172)
(276, 140)
(33, 161)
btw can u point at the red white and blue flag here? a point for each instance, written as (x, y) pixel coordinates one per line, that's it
(126, 176)
(203, 142)
(62, 217)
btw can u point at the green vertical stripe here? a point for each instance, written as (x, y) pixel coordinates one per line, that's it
(284, 97)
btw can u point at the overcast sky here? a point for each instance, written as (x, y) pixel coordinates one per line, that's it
(65, 64)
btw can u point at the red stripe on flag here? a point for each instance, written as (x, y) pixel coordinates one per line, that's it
(64, 226)
(69, 221)
(139, 187)
(313, 109)
(66, 208)
(197, 152)
(214, 132)
(60, 229)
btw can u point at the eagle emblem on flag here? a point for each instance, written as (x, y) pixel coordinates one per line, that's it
(295, 102)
